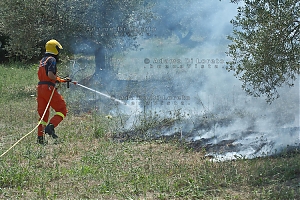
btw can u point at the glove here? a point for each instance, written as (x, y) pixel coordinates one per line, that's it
(58, 79)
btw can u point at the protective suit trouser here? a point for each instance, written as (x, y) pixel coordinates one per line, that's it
(57, 103)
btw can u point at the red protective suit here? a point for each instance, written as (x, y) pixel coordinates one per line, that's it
(44, 91)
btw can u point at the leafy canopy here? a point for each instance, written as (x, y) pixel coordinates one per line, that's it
(265, 47)
(30, 23)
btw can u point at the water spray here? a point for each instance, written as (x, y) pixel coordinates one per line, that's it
(102, 94)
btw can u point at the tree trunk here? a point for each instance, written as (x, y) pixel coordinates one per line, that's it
(101, 68)
(104, 73)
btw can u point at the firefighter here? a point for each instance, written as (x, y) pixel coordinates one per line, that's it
(47, 74)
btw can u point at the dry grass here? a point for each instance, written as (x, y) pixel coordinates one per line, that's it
(83, 166)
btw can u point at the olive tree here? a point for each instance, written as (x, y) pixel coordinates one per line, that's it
(265, 47)
(20, 22)
(103, 24)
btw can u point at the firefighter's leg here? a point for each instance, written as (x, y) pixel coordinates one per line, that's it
(41, 109)
(41, 106)
(59, 105)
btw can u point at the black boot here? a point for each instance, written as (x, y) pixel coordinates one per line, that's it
(50, 131)
(41, 140)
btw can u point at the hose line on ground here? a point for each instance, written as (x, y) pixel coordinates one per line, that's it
(33, 128)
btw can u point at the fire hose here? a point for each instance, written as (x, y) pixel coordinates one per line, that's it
(33, 128)
(57, 85)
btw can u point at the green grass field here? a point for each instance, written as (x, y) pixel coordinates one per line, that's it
(87, 164)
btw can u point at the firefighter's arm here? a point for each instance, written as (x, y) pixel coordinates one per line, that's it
(52, 76)
(64, 80)
(57, 78)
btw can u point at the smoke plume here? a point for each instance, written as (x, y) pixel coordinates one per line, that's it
(179, 86)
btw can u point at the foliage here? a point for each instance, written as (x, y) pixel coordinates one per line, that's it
(266, 45)
(31, 23)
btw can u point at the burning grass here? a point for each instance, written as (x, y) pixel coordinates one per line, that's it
(86, 165)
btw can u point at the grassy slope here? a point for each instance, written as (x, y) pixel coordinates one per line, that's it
(88, 164)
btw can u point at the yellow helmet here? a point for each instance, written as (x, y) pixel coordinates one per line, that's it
(52, 47)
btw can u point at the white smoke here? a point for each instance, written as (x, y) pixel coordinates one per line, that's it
(255, 127)
(192, 86)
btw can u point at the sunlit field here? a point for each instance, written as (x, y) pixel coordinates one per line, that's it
(87, 162)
